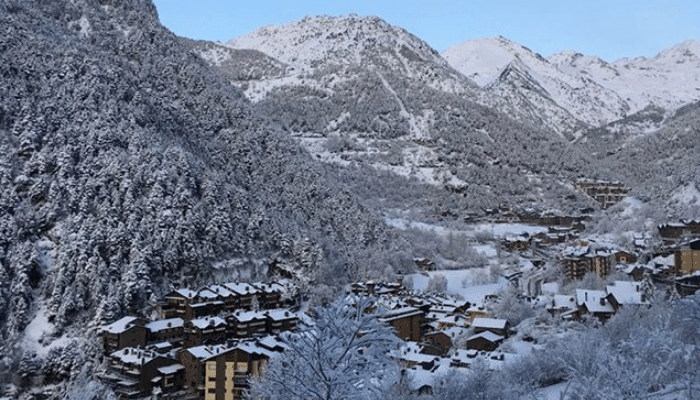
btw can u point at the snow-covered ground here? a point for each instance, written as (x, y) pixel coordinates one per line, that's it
(38, 332)
(460, 283)
(497, 231)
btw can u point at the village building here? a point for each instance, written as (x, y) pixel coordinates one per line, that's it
(622, 294)
(484, 340)
(687, 258)
(677, 230)
(494, 325)
(205, 330)
(270, 295)
(170, 330)
(563, 306)
(476, 311)
(406, 322)
(246, 294)
(443, 341)
(605, 193)
(246, 324)
(424, 264)
(176, 303)
(280, 320)
(577, 261)
(126, 332)
(595, 303)
(221, 372)
(134, 373)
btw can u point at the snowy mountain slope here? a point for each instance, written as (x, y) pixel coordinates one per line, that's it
(668, 80)
(238, 65)
(368, 42)
(362, 91)
(560, 96)
(662, 167)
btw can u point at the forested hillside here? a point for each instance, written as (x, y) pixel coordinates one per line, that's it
(128, 166)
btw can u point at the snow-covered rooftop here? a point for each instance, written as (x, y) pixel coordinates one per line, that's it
(594, 300)
(488, 335)
(220, 290)
(186, 293)
(206, 322)
(161, 324)
(130, 355)
(489, 323)
(171, 369)
(627, 292)
(246, 316)
(207, 294)
(241, 288)
(121, 325)
(280, 314)
(205, 352)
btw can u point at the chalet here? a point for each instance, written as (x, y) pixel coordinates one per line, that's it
(463, 358)
(622, 294)
(580, 260)
(444, 340)
(280, 320)
(498, 326)
(687, 258)
(624, 257)
(226, 296)
(563, 306)
(133, 373)
(245, 294)
(595, 303)
(167, 330)
(247, 324)
(476, 311)
(221, 372)
(411, 356)
(169, 379)
(126, 332)
(406, 322)
(424, 264)
(204, 331)
(270, 295)
(176, 303)
(519, 243)
(677, 230)
(485, 340)
(452, 321)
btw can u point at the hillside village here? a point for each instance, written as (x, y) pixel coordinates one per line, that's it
(179, 216)
(207, 343)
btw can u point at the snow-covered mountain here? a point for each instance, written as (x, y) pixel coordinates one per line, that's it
(317, 42)
(669, 80)
(359, 89)
(526, 79)
(569, 86)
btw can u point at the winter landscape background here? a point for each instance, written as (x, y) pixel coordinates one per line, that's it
(337, 149)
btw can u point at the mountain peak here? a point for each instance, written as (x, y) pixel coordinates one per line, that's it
(344, 40)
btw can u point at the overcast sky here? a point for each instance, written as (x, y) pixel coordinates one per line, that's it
(610, 29)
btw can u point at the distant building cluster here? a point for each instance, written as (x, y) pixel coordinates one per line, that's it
(601, 304)
(434, 326)
(586, 257)
(607, 194)
(205, 344)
